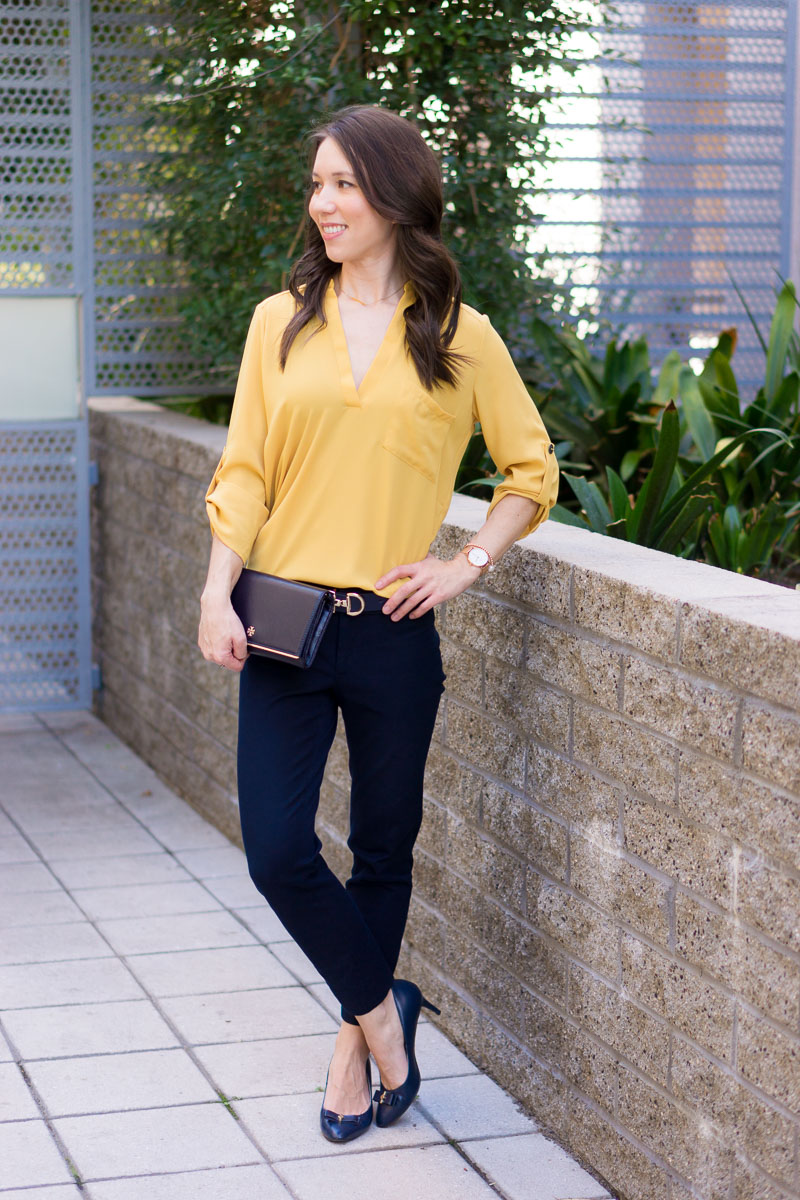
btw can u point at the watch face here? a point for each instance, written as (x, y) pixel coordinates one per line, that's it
(478, 557)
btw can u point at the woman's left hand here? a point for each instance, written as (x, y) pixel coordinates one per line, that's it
(428, 583)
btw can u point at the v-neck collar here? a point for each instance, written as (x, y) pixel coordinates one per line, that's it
(353, 394)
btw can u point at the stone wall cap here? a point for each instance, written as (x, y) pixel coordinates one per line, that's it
(752, 601)
(174, 424)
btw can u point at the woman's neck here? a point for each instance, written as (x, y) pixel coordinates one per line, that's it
(369, 284)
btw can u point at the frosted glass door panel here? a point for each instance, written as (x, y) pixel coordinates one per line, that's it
(39, 371)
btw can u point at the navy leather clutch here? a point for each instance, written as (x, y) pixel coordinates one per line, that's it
(282, 619)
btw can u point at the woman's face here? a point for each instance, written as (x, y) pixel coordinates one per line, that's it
(351, 228)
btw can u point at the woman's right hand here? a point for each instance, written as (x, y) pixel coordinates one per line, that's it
(221, 635)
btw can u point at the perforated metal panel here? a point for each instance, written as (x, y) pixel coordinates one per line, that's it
(44, 601)
(136, 345)
(36, 158)
(687, 165)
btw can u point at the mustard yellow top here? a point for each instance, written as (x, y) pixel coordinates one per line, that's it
(331, 485)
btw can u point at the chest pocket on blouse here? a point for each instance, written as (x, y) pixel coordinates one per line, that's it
(416, 433)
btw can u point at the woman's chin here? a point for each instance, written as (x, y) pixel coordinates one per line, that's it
(334, 252)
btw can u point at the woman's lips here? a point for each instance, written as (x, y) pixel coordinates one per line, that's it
(329, 232)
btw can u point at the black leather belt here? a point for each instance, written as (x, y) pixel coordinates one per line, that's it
(352, 602)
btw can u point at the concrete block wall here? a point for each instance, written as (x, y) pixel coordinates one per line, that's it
(607, 882)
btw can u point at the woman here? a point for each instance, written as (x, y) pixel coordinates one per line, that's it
(358, 392)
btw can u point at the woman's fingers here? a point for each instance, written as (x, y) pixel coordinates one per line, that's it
(222, 640)
(405, 571)
(416, 600)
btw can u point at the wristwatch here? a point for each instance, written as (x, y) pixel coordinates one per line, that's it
(477, 556)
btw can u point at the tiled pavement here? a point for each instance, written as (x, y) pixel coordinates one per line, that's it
(163, 1039)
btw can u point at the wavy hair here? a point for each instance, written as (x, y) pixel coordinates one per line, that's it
(400, 177)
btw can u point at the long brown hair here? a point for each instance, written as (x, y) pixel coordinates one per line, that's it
(400, 177)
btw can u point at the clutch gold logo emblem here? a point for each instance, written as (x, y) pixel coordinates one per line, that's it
(251, 630)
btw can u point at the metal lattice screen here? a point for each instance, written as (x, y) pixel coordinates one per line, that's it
(36, 168)
(44, 603)
(683, 141)
(136, 345)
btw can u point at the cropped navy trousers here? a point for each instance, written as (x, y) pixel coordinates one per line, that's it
(386, 679)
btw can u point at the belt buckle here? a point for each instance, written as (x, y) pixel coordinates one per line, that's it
(344, 603)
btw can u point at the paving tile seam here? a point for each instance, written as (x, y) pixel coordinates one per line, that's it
(358, 1152)
(50, 923)
(38, 859)
(45, 1117)
(456, 1145)
(397, 1150)
(36, 962)
(139, 1108)
(185, 912)
(93, 1179)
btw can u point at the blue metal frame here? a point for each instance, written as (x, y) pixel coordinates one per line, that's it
(789, 141)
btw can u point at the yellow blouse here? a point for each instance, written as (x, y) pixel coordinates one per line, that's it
(326, 483)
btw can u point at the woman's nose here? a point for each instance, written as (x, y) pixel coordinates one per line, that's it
(323, 201)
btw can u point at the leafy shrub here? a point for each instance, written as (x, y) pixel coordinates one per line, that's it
(240, 85)
(682, 465)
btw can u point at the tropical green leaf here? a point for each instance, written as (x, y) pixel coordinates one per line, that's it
(630, 462)
(784, 402)
(565, 516)
(591, 501)
(618, 529)
(620, 503)
(656, 486)
(716, 534)
(718, 386)
(779, 336)
(667, 387)
(673, 535)
(701, 426)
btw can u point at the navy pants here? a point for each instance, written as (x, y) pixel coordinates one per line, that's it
(386, 678)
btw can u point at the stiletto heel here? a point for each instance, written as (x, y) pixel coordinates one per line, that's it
(393, 1102)
(339, 1127)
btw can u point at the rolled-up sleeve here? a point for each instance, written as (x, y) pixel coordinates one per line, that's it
(514, 432)
(236, 497)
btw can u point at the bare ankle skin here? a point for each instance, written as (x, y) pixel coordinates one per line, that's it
(384, 1036)
(347, 1090)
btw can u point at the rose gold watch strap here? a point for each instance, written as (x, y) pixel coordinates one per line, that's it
(475, 546)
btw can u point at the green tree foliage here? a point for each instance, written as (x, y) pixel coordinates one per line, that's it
(240, 84)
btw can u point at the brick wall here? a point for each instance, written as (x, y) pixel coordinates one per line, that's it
(607, 899)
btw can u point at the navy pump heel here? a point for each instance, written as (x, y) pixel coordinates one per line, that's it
(339, 1127)
(393, 1102)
